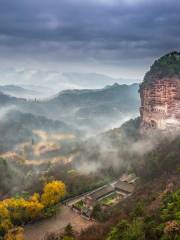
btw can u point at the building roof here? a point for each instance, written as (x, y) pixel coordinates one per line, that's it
(128, 177)
(101, 192)
(124, 186)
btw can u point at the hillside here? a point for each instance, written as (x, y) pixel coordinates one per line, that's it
(17, 91)
(111, 93)
(97, 109)
(17, 127)
(7, 100)
(91, 80)
(152, 212)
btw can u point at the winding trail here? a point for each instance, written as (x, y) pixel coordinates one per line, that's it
(64, 216)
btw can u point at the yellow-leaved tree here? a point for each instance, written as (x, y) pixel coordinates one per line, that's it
(18, 211)
(15, 234)
(5, 222)
(52, 193)
(22, 211)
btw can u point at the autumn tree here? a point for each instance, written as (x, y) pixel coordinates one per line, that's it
(52, 193)
(5, 222)
(15, 234)
(22, 211)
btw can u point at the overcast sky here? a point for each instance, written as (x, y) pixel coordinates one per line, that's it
(120, 38)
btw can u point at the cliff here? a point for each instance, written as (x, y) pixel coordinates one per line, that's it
(160, 94)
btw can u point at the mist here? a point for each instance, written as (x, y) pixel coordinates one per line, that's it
(120, 150)
(87, 132)
(43, 84)
(5, 110)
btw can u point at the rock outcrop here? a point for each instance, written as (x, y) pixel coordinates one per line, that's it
(160, 94)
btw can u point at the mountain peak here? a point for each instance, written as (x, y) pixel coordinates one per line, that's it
(160, 92)
(167, 66)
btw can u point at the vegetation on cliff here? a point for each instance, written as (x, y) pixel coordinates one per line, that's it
(167, 66)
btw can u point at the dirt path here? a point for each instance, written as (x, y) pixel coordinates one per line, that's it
(57, 223)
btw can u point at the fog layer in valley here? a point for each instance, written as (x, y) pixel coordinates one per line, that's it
(74, 136)
(42, 84)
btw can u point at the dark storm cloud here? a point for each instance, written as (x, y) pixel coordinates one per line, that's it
(81, 29)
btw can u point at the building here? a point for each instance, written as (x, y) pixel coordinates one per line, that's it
(129, 178)
(106, 196)
(124, 188)
(92, 198)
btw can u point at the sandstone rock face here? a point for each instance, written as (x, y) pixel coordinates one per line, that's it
(160, 102)
(160, 94)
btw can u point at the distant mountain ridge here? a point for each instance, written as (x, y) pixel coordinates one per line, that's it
(92, 80)
(48, 82)
(18, 91)
(91, 110)
(107, 89)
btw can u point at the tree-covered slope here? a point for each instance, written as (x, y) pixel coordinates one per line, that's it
(163, 224)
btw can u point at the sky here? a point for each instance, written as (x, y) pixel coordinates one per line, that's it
(118, 38)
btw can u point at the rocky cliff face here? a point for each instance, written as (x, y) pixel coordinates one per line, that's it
(160, 94)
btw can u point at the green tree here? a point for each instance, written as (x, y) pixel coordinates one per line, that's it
(69, 231)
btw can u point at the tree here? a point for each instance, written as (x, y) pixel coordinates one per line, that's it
(171, 208)
(118, 231)
(52, 193)
(69, 231)
(97, 212)
(126, 231)
(139, 209)
(15, 234)
(22, 211)
(135, 231)
(5, 222)
(18, 210)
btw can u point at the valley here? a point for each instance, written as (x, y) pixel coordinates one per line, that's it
(80, 161)
(89, 120)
